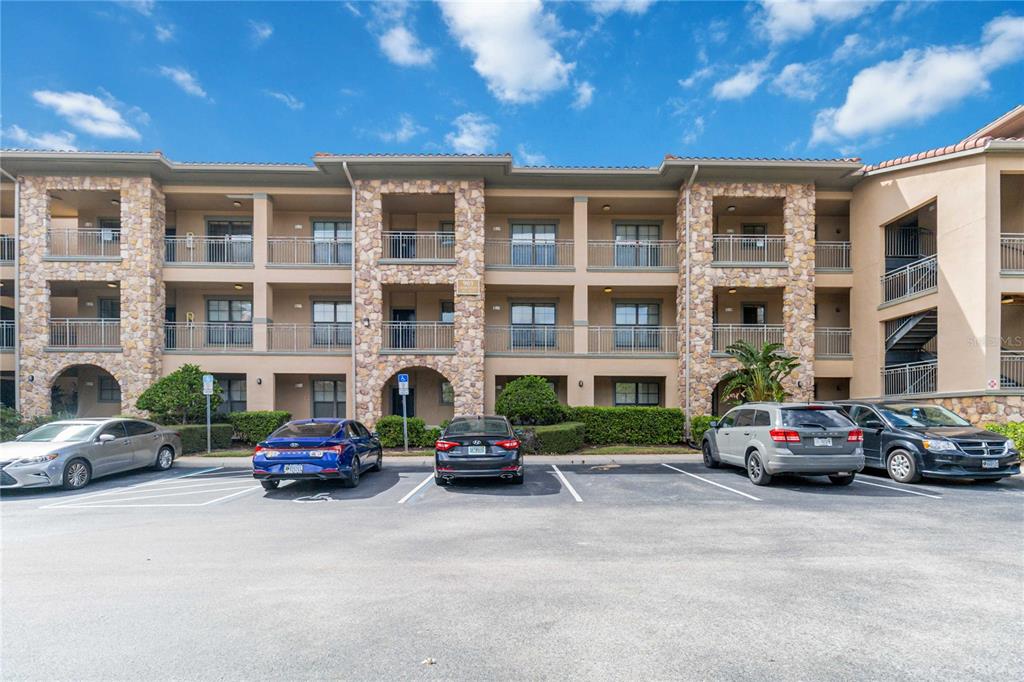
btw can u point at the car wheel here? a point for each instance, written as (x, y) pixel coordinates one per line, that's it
(846, 479)
(270, 485)
(77, 474)
(756, 471)
(902, 467)
(380, 461)
(709, 459)
(164, 459)
(353, 480)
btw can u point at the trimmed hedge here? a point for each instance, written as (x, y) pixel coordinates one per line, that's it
(253, 427)
(529, 400)
(699, 426)
(630, 425)
(1014, 430)
(559, 439)
(193, 436)
(390, 430)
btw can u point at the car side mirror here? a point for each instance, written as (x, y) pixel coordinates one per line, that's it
(105, 438)
(374, 435)
(19, 436)
(714, 424)
(518, 433)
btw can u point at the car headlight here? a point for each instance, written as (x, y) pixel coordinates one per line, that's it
(1009, 445)
(939, 445)
(38, 459)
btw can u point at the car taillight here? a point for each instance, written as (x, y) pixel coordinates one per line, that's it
(784, 436)
(856, 436)
(259, 449)
(511, 444)
(445, 445)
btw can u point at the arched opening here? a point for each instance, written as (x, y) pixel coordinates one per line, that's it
(719, 404)
(431, 396)
(85, 391)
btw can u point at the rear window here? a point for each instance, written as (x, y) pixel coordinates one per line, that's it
(309, 430)
(826, 419)
(487, 426)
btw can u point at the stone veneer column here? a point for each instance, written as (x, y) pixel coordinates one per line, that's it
(796, 280)
(143, 219)
(465, 367)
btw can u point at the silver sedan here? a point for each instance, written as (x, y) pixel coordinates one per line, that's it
(72, 452)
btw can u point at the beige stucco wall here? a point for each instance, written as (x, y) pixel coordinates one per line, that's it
(833, 228)
(833, 308)
(1011, 202)
(601, 227)
(294, 393)
(733, 224)
(730, 306)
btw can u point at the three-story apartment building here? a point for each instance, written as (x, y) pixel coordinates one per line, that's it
(308, 287)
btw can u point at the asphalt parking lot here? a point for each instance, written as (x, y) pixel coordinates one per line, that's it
(638, 567)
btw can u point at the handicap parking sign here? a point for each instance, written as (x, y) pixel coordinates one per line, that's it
(403, 378)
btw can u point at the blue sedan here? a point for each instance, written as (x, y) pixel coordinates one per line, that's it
(321, 449)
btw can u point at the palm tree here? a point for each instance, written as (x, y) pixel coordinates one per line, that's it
(760, 374)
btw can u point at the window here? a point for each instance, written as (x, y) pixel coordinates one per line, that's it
(448, 312)
(826, 419)
(110, 235)
(534, 244)
(230, 322)
(115, 429)
(332, 241)
(363, 431)
(633, 247)
(109, 308)
(729, 419)
(637, 393)
(307, 430)
(754, 229)
(329, 398)
(745, 418)
(332, 323)
(863, 416)
(447, 393)
(232, 395)
(631, 320)
(762, 418)
(109, 390)
(231, 241)
(533, 325)
(753, 313)
(135, 428)
(447, 230)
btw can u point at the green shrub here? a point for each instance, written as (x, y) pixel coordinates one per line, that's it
(390, 431)
(1014, 430)
(193, 436)
(559, 439)
(178, 397)
(529, 400)
(252, 427)
(699, 426)
(12, 425)
(630, 425)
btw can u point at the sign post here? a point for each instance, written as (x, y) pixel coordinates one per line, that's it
(208, 391)
(403, 390)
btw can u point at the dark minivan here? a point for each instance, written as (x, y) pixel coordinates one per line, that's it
(911, 440)
(478, 447)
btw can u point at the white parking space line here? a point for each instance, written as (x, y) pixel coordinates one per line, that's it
(902, 490)
(168, 479)
(75, 499)
(719, 485)
(230, 495)
(158, 494)
(565, 482)
(419, 487)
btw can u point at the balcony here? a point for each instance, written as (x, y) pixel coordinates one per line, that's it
(90, 244)
(74, 333)
(919, 277)
(832, 343)
(200, 250)
(910, 379)
(724, 335)
(529, 339)
(419, 247)
(6, 335)
(551, 254)
(7, 249)
(757, 250)
(309, 338)
(1011, 369)
(1011, 253)
(208, 337)
(832, 256)
(632, 255)
(305, 251)
(633, 340)
(417, 337)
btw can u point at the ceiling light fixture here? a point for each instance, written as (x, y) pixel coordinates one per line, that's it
(732, 291)
(607, 290)
(115, 202)
(1008, 299)
(238, 287)
(606, 208)
(112, 285)
(236, 204)
(730, 208)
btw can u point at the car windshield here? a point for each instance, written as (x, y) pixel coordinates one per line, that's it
(814, 417)
(307, 430)
(485, 426)
(907, 414)
(60, 432)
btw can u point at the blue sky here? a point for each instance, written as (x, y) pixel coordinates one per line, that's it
(621, 82)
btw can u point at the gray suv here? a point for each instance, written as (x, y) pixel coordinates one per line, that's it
(792, 438)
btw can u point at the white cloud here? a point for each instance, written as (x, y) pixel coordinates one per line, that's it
(184, 80)
(513, 47)
(791, 19)
(920, 84)
(260, 31)
(743, 83)
(287, 99)
(606, 7)
(402, 47)
(143, 7)
(473, 134)
(798, 81)
(696, 77)
(164, 32)
(852, 45)
(693, 133)
(351, 7)
(530, 158)
(584, 95)
(87, 113)
(406, 130)
(63, 141)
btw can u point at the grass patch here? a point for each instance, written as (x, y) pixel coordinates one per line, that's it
(413, 452)
(225, 453)
(637, 450)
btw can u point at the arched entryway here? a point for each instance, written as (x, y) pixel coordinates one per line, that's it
(85, 391)
(431, 395)
(719, 403)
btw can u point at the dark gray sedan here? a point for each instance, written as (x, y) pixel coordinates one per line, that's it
(70, 453)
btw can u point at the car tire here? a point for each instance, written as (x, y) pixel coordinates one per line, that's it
(77, 474)
(270, 485)
(164, 458)
(353, 480)
(379, 464)
(709, 459)
(517, 480)
(902, 467)
(842, 480)
(756, 471)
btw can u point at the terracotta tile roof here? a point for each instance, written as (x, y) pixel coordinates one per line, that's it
(779, 159)
(966, 145)
(321, 155)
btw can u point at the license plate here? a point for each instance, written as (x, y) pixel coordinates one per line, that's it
(823, 442)
(478, 449)
(990, 464)
(293, 468)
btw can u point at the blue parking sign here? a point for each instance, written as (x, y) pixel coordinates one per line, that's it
(403, 378)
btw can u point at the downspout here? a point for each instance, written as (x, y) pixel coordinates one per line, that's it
(17, 325)
(686, 315)
(355, 392)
